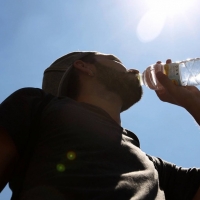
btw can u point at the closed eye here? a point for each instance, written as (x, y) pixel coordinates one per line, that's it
(111, 57)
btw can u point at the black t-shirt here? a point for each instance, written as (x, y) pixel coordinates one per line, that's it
(82, 153)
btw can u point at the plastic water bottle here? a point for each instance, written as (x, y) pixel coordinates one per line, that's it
(183, 73)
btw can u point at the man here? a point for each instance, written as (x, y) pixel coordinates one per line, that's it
(82, 152)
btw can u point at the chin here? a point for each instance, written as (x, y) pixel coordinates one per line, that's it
(131, 99)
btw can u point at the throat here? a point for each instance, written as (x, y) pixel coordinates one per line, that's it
(111, 109)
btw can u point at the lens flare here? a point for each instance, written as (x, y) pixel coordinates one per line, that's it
(71, 155)
(60, 167)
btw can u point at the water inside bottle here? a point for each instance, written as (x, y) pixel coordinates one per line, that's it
(190, 72)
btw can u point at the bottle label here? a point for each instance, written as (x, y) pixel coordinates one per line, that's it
(173, 73)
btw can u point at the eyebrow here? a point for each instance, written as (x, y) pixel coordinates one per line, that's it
(112, 57)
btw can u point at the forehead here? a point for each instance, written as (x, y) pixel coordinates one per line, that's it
(103, 56)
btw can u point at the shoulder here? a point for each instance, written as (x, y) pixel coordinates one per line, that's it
(17, 112)
(28, 91)
(176, 181)
(21, 104)
(24, 95)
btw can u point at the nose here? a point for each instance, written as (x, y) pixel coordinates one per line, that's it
(135, 71)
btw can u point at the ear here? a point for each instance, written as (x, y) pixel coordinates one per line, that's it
(83, 67)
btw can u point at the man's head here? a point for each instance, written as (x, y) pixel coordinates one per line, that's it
(61, 74)
(62, 77)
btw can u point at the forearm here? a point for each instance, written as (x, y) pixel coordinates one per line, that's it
(194, 110)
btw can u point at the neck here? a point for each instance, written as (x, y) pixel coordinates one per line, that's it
(110, 105)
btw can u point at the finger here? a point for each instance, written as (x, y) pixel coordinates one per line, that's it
(160, 91)
(165, 82)
(162, 95)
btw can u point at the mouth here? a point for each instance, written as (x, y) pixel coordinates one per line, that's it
(139, 77)
(135, 76)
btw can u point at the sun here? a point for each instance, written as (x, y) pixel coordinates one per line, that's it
(170, 7)
(153, 21)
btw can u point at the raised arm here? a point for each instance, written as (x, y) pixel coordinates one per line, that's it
(187, 97)
(8, 157)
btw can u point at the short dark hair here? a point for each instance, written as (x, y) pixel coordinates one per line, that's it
(74, 82)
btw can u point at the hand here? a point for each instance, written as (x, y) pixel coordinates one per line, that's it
(184, 96)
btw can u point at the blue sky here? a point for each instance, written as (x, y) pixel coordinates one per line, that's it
(35, 33)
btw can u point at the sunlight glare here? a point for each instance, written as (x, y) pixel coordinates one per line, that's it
(170, 7)
(153, 21)
(151, 25)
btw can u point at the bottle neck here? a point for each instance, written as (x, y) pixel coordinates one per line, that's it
(141, 79)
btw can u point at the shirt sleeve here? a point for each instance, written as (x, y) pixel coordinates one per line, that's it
(16, 113)
(177, 182)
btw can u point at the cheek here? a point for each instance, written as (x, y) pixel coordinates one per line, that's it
(115, 66)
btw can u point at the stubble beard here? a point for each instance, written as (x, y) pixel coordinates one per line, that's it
(121, 83)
